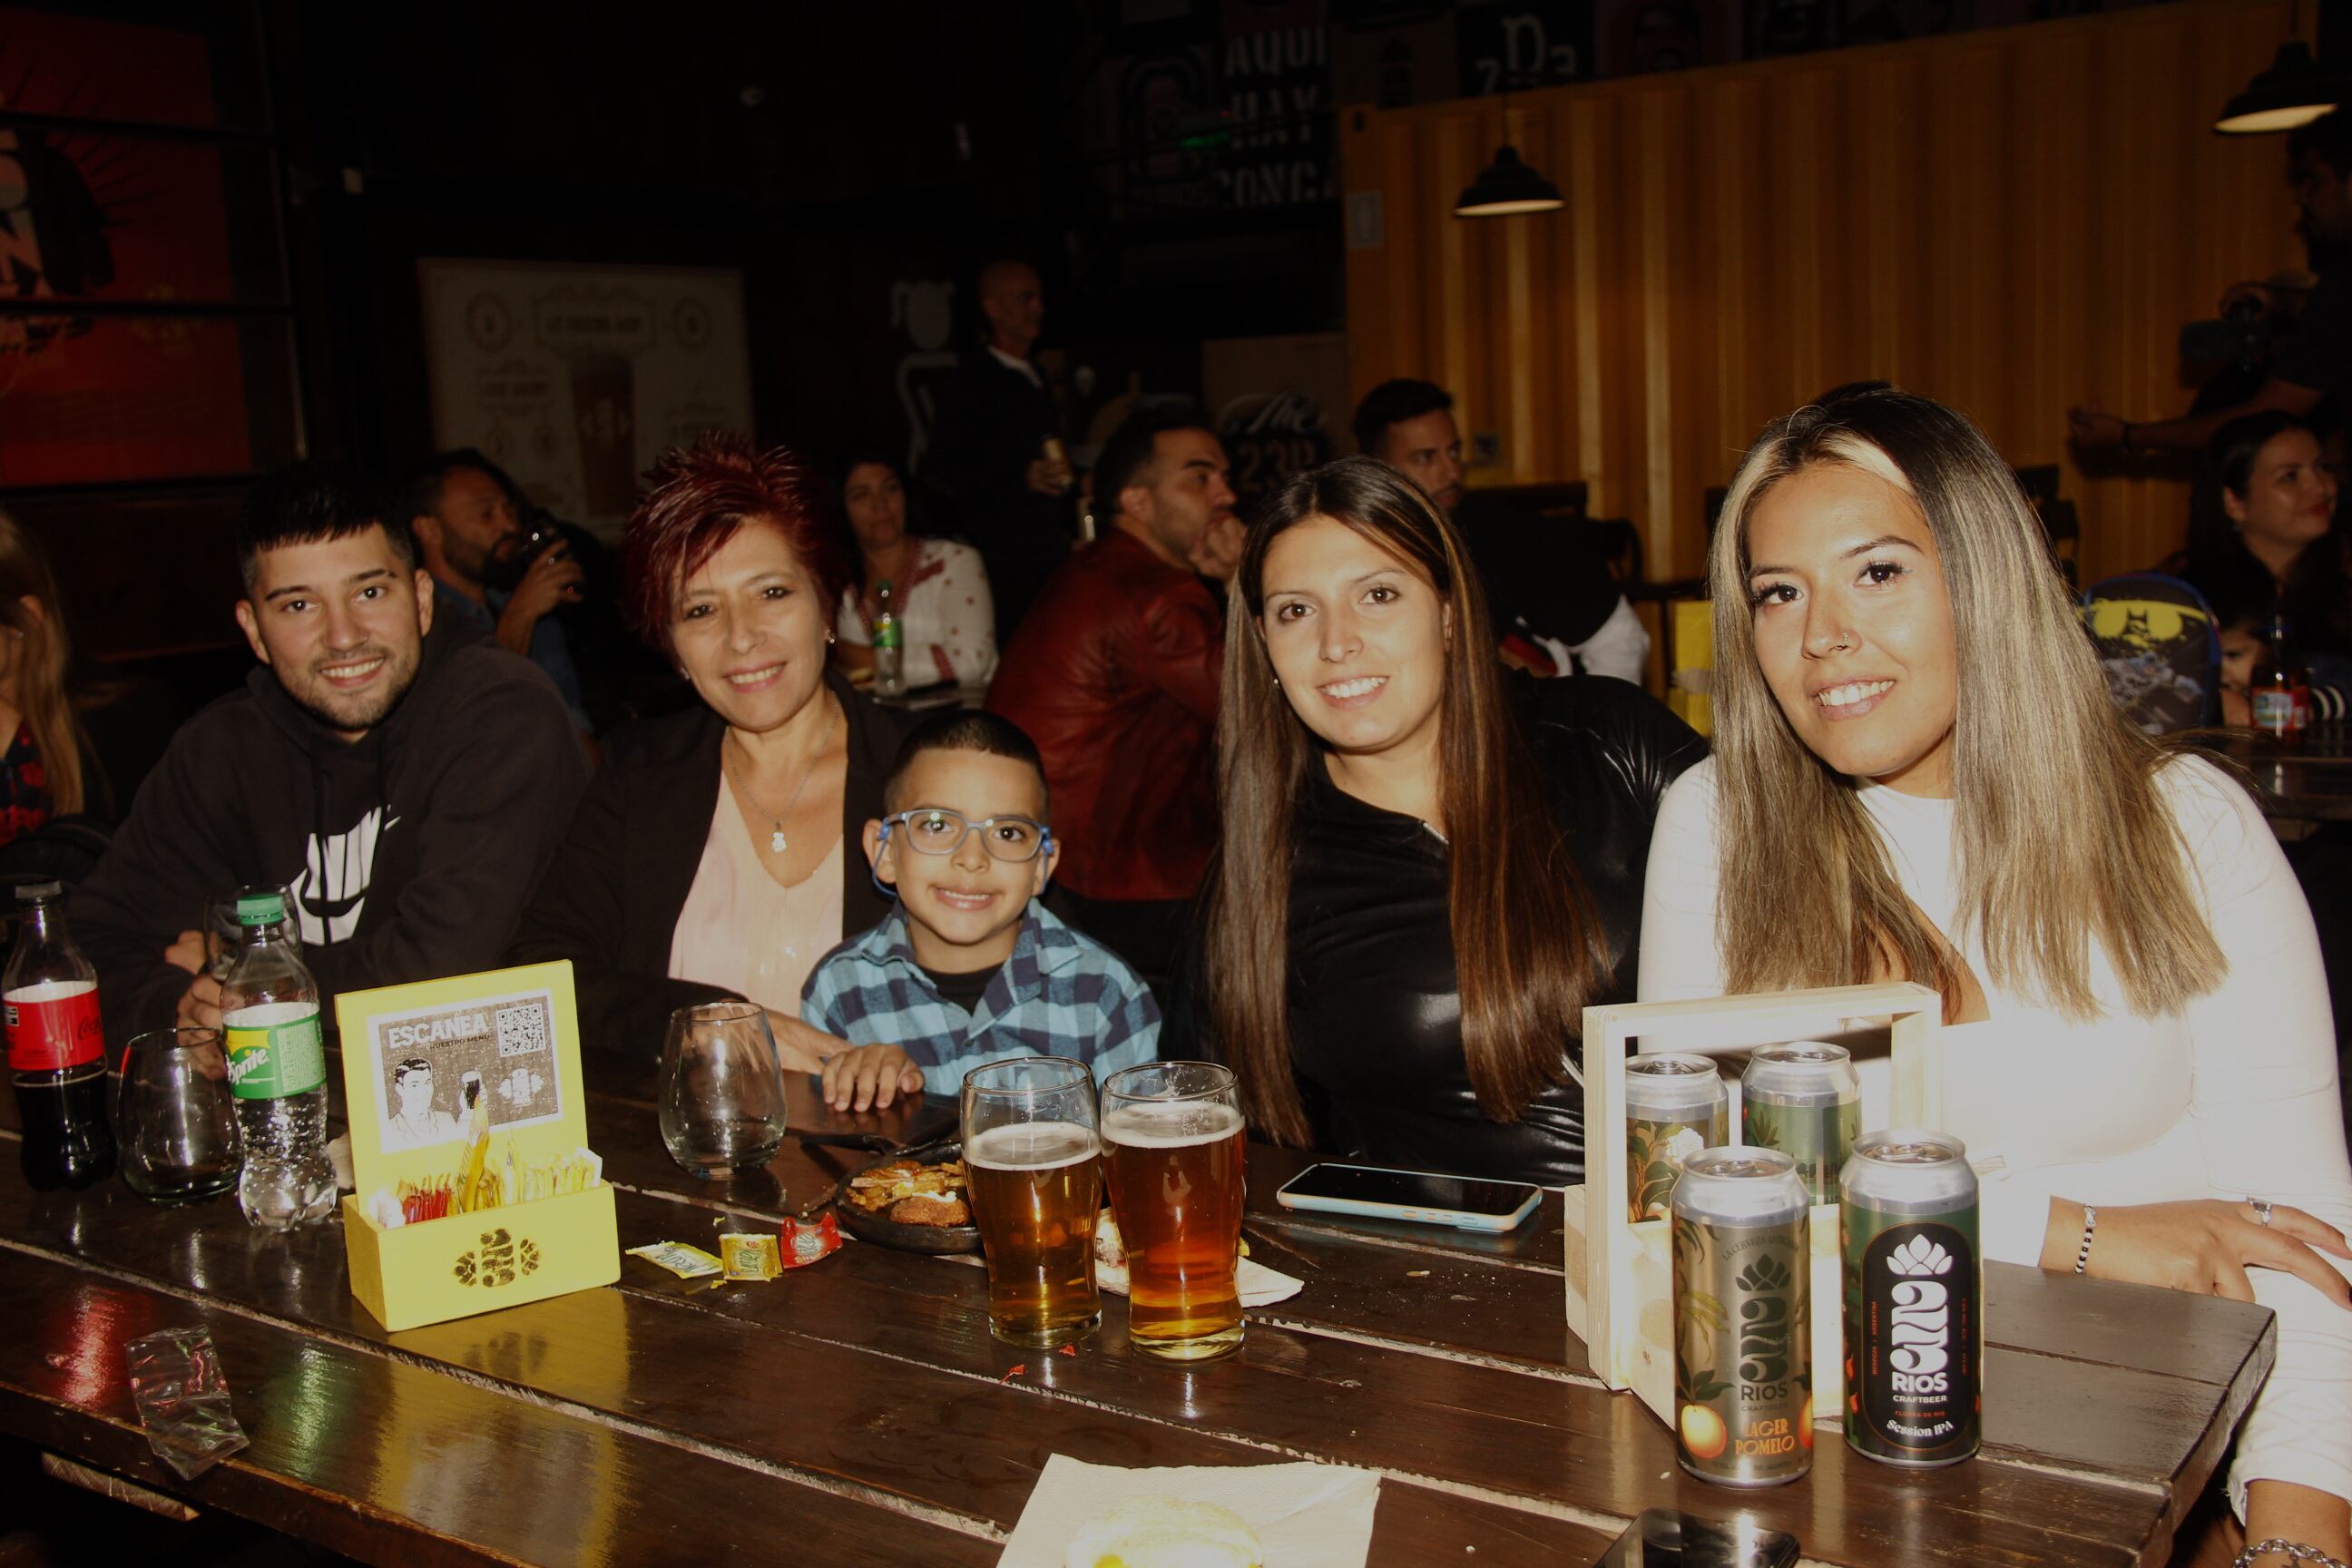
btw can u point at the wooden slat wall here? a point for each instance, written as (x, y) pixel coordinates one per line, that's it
(2011, 221)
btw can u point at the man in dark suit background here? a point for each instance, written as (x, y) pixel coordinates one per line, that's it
(988, 460)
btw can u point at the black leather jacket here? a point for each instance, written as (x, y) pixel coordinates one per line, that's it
(1375, 1017)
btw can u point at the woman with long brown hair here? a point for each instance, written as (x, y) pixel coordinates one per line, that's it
(1425, 876)
(46, 767)
(1917, 774)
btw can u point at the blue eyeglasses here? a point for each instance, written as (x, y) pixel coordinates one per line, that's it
(935, 830)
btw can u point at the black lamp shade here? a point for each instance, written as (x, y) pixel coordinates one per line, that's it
(1508, 186)
(2295, 91)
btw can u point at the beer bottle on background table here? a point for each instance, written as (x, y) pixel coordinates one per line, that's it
(889, 647)
(2280, 688)
(278, 1072)
(56, 1048)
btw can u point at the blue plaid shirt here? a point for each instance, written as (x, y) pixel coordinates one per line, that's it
(1062, 994)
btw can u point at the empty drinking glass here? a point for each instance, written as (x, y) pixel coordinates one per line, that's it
(175, 1119)
(722, 1093)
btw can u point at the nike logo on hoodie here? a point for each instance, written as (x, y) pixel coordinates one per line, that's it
(338, 871)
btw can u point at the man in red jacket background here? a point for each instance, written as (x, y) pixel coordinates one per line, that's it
(1115, 676)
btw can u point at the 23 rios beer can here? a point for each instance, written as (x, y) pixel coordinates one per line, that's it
(1913, 1300)
(1675, 1107)
(1803, 1099)
(1743, 1337)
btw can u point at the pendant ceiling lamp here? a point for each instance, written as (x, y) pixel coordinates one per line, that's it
(1508, 186)
(2295, 90)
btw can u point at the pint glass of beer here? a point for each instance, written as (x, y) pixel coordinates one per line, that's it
(1172, 1146)
(1029, 1151)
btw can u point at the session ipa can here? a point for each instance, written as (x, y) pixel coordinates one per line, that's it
(1803, 1099)
(1035, 1194)
(1913, 1300)
(1743, 1338)
(1675, 1107)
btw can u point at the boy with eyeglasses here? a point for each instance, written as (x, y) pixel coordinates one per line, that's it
(969, 967)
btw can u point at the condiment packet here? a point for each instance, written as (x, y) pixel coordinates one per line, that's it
(748, 1257)
(807, 1241)
(686, 1262)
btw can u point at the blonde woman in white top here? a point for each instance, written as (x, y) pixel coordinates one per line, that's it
(1917, 774)
(939, 589)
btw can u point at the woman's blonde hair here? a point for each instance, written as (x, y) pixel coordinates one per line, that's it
(45, 655)
(2059, 837)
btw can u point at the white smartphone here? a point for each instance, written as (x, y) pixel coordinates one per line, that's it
(1463, 1202)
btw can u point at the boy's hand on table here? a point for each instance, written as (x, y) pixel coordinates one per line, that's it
(869, 1077)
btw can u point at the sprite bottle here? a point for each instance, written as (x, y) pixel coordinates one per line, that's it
(276, 1071)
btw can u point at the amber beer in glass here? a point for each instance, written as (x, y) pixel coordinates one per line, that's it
(1172, 1144)
(1031, 1158)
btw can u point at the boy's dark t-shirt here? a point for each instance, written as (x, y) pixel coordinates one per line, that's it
(964, 990)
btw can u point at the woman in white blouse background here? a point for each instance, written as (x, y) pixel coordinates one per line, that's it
(1917, 774)
(939, 589)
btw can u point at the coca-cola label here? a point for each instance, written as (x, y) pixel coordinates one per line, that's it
(275, 1049)
(53, 1026)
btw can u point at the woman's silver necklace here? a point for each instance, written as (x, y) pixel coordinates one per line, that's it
(776, 845)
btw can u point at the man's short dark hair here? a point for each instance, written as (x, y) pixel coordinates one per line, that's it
(309, 503)
(1393, 403)
(420, 487)
(2330, 136)
(1134, 444)
(992, 734)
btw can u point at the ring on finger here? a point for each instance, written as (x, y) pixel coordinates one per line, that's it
(2262, 1207)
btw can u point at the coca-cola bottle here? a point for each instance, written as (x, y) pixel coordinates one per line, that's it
(57, 1050)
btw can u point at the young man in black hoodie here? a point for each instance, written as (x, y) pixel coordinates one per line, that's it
(409, 785)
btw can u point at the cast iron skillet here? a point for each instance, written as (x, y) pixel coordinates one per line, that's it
(883, 1231)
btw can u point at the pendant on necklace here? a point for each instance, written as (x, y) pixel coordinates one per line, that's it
(776, 842)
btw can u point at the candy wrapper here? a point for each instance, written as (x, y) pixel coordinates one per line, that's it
(182, 1398)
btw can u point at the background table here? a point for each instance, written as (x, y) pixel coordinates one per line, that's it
(858, 1412)
(2311, 781)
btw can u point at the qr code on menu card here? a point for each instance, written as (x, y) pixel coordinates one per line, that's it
(522, 1028)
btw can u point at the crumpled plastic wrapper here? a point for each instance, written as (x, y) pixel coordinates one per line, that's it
(182, 1397)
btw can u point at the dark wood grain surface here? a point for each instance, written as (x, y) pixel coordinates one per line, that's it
(859, 1410)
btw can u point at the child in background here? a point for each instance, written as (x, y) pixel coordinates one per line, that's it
(969, 967)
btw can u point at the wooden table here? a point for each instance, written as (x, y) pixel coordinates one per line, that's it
(2311, 781)
(858, 1413)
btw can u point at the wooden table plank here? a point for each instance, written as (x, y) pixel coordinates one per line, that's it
(395, 1464)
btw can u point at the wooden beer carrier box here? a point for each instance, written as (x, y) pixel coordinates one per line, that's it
(1620, 1273)
(426, 1068)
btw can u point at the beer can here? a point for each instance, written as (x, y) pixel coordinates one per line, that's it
(1803, 1099)
(1914, 1292)
(1743, 1338)
(1675, 1107)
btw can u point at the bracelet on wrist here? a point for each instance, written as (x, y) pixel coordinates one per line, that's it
(2296, 1551)
(2090, 1229)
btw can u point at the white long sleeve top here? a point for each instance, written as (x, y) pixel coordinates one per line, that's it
(947, 618)
(2233, 1098)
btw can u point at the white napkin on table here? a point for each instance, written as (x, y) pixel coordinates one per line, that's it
(1306, 1516)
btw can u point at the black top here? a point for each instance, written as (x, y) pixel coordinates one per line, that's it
(409, 851)
(1375, 1017)
(964, 988)
(1542, 575)
(2318, 353)
(610, 901)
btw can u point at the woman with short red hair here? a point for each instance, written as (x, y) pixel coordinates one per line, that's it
(716, 852)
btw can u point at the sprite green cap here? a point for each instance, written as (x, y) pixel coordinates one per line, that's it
(259, 909)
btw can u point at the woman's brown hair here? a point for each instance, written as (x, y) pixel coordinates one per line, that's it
(1525, 958)
(45, 654)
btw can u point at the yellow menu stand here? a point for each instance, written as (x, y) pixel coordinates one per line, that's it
(427, 1067)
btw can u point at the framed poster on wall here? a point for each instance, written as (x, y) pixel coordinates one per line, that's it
(575, 378)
